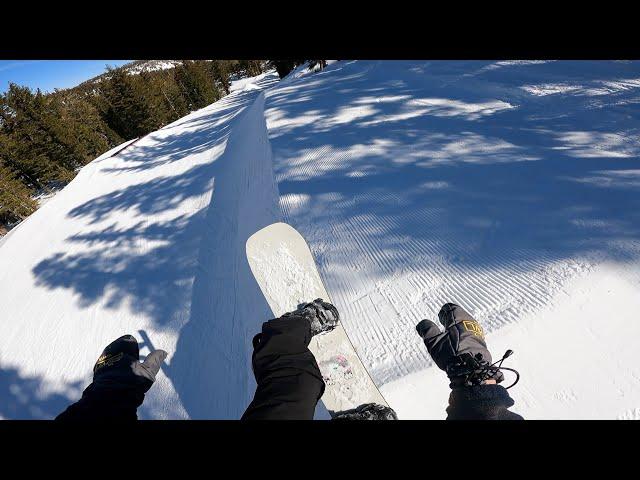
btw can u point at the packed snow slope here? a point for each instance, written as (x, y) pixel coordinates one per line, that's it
(148, 242)
(511, 188)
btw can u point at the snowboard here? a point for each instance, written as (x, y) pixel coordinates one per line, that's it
(286, 272)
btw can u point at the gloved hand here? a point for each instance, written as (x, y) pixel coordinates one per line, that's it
(460, 350)
(119, 383)
(119, 365)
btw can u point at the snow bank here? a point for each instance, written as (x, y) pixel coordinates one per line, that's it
(249, 83)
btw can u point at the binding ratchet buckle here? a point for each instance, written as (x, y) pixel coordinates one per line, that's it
(469, 370)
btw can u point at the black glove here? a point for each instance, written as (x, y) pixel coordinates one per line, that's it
(460, 350)
(119, 383)
(120, 365)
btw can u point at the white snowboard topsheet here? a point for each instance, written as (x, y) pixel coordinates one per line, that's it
(284, 268)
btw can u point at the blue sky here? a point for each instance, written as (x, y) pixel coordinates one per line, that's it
(50, 74)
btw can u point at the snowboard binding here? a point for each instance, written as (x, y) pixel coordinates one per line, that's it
(368, 411)
(468, 370)
(322, 316)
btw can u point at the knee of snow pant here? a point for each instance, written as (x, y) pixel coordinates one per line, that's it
(282, 346)
(289, 380)
(289, 396)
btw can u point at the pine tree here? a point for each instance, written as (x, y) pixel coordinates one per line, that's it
(251, 68)
(196, 83)
(36, 152)
(221, 71)
(45, 138)
(78, 127)
(321, 63)
(126, 113)
(15, 199)
(284, 67)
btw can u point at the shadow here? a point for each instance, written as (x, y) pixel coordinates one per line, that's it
(211, 369)
(167, 246)
(149, 263)
(427, 182)
(415, 183)
(26, 397)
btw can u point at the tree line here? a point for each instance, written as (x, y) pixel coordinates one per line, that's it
(45, 138)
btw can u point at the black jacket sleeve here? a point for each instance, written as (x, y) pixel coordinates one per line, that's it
(481, 402)
(289, 380)
(105, 401)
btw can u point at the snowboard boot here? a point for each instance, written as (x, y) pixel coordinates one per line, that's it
(368, 411)
(322, 316)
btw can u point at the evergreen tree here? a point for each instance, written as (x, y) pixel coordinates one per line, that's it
(251, 68)
(127, 112)
(284, 67)
(196, 83)
(166, 97)
(78, 127)
(35, 152)
(15, 199)
(321, 63)
(221, 71)
(45, 138)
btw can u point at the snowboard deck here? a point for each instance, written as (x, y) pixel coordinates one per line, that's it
(286, 272)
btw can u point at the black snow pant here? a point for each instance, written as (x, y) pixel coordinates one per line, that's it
(289, 380)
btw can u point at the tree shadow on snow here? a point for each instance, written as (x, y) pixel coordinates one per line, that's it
(464, 189)
(557, 174)
(435, 170)
(189, 272)
(26, 398)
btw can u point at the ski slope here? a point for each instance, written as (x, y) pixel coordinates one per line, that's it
(511, 188)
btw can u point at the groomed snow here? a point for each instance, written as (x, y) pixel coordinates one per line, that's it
(420, 183)
(511, 188)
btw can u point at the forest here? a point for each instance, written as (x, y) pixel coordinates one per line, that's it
(46, 137)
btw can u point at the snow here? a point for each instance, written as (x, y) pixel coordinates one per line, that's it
(419, 183)
(152, 66)
(511, 188)
(249, 83)
(581, 372)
